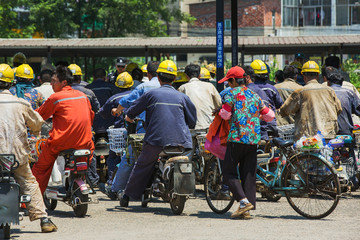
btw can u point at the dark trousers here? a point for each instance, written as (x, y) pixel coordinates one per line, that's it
(111, 163)
(142, 171)
(244, 156)
(91, 173)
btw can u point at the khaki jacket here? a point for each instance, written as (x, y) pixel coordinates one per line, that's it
(16, 115)
(285, 89)
(316, 107)
(206, 99)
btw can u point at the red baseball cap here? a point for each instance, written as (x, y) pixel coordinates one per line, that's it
(234, 72)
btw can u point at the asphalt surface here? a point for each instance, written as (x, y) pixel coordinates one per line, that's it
(271, 220)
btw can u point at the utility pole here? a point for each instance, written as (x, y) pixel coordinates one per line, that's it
(234, 33)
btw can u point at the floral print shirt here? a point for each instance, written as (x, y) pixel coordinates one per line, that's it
(33, 96)
(245, 122)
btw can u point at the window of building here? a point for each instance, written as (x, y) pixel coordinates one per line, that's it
(347, 12)
(300, 13)
(227, 23)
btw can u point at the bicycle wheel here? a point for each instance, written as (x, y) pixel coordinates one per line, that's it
(218, 201)
(316, 186)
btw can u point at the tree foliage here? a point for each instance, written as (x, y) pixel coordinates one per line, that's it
(353, 69)
(91, 18)
(10, 22)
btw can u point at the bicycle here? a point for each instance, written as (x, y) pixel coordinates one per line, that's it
(307, 180)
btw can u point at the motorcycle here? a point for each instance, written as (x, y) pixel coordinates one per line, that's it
(10, 198)
(173, 179)
(101, 152)
(73, 190)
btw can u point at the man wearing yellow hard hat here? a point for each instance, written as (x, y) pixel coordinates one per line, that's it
(261, 75)
(144, 70)
(24, 87)
(15, 112)
(167, 111)
(315, 106)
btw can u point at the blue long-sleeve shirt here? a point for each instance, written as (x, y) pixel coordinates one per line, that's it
(113, 102)
(350, 104)
(95, 105)
(169, 115)
(103, 90)
(139, 91)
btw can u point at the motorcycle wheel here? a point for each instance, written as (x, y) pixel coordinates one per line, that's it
(6, 229)
(50, 204)
(177, 204)
(81, 209)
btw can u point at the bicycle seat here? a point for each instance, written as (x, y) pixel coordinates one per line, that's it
(279, 142)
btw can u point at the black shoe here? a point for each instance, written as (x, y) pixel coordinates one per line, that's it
(110, 193)
(47, 225)
(124, 200)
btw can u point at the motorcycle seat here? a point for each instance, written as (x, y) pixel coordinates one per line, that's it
(67, 152)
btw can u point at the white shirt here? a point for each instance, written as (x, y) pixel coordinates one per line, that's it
(45, 89)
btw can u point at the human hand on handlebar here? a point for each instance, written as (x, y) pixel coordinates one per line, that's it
(129, 119)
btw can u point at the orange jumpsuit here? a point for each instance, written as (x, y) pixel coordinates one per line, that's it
(72, 121)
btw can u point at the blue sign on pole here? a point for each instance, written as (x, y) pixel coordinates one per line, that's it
(220, 44)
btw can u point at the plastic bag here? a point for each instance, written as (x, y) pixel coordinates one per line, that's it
(215, 147)
(316, 141)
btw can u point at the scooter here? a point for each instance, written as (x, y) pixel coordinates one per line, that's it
(73, 190)
(173, 179)
(102, 153)
(10, 198)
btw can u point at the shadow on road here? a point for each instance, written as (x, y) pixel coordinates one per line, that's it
(292, 217)
(165, 211)
(63, 214)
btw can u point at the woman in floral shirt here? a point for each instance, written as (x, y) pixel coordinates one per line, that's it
(245, 109)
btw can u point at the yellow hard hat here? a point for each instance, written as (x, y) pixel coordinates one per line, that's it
(24, 71)
(204, 74)
(181, 77)
(310, 66)
(259, 67)
(211, 68)
(6, 73)
(124, 80)
(144, 68)
(296, 64)
(19, 58)
(131, 66)
(168, 67)
(75, 69)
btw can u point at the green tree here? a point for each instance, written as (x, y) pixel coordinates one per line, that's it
(53, 18)
(12, 25)
(354, 72)
(107, 18)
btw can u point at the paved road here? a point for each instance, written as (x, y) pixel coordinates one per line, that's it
(271, 221)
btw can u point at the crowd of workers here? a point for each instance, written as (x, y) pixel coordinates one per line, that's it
(313, 99)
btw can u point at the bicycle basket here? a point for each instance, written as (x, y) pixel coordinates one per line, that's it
(201, 139)
(286, 132)
(117, 139)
